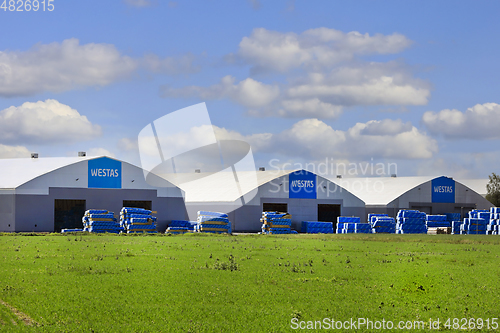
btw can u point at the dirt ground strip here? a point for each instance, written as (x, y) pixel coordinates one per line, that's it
(27, 320)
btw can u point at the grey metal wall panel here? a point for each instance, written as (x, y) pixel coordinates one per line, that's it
(7, 212)
(378, 210)
(34, 213)
(355, 211)
(38, 210)
(247, 218)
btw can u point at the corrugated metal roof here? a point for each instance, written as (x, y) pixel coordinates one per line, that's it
(16, 171)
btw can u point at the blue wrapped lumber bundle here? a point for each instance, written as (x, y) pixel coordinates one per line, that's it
(411, 222)
(276, 223)
(344, 228)
(494, 223)
(71, 230)
(354, 228)
(494, 216)
(315, 227)
(450, 217)
(372, 217)
(484, 215)
(100, 221)
(492, 229)
(177, 230)
(352, 225)
(213, 222)
(363, 228)
(137, 220)
(348, 219)
(455, 227)
(495, 210)
(474, 214)
(383, 224)
(215, 214)
(181, 226)
(474, 226)
(437, 221)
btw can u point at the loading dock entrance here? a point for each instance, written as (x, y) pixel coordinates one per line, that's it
(68, 214)
(138, 204)
(275, 207)
(328, 213)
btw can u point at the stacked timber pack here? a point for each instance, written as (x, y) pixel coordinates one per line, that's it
(494, 225)
(411, 222)
(456, 227)
(181, 226)
(276, 223)
(382, 223)
(315, 227)
(71, 230)
(437, 224)
(437, 221)
(454, 219)
(477, 222)
(352, 225)
(100, 221)
(213, 222)
(137, 220)
(480, 222)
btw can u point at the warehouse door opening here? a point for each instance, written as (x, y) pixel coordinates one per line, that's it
(464, 211)
(138, 204)
(68, 214)
(275, 207)
(426, 209)
(328, 213)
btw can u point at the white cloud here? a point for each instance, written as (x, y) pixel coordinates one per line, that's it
(14, 151)
(386, 127)
(313, 107)
(317, 48)
(139, 3)
(409, 144)
(323, 78)
(370, 84)
(128, 144)
(58, 67)
(98, 151)
(481, 121)
(317, 95)
(248, 92)
(45, 121)
(62, 66)
(171, 65)
(312, 139)
(461, 165)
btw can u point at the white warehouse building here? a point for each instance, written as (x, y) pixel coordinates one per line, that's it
(49, 194)
(305, 195)
(432, 195)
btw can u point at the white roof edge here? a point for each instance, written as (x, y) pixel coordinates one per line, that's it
(19, 171)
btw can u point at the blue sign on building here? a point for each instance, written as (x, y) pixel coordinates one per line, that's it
(105, 173)
(443, 190)
(302, 185)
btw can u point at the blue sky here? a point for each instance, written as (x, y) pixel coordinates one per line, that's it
(407, 82)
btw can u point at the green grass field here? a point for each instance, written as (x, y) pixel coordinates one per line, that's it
(246, 283)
